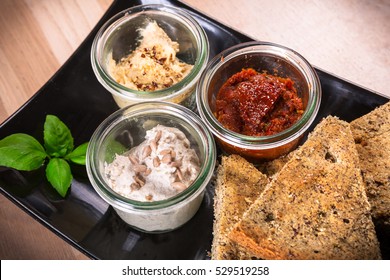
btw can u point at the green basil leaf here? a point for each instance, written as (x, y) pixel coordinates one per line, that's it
(57, 136)
(22, 152)
(78, 154)
(59, 175)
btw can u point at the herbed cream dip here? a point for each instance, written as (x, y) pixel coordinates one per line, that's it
(153, 65)
(160, 167)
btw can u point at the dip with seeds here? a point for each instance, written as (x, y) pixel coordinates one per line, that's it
(159, 168)
(153, 65)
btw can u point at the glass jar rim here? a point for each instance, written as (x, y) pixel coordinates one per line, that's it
(268, 141)
(159, 107)
(159, 95)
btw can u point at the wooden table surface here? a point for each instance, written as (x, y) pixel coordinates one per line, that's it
(347, 38)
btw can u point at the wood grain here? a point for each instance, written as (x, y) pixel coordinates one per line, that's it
(347, 38)
(36, 38)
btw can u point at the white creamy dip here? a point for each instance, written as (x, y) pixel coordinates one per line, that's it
(160, 167)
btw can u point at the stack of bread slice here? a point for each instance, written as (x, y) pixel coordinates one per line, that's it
(315, 204)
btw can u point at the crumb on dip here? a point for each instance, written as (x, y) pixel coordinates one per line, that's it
(153, 65)
(159, 168)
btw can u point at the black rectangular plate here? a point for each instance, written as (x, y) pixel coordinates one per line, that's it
(83, 219)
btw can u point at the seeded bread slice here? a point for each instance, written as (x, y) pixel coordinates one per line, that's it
(372, 139)
(315, 207)
(239, 183)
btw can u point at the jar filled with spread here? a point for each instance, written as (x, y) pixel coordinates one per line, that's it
(258, 99)
(150, 52)
(151, 162)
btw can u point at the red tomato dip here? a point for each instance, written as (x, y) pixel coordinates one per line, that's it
(258, 104)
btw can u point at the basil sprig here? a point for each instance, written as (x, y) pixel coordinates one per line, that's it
(23, 152)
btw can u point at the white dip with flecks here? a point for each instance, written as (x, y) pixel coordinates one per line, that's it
(159, 168)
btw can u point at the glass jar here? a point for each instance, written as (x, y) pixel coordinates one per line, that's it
(126, 129)
(262, 57)
(119, 37)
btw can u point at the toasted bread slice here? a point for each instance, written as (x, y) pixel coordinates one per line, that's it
(315, 207)
(239, 183)
(372, 139)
